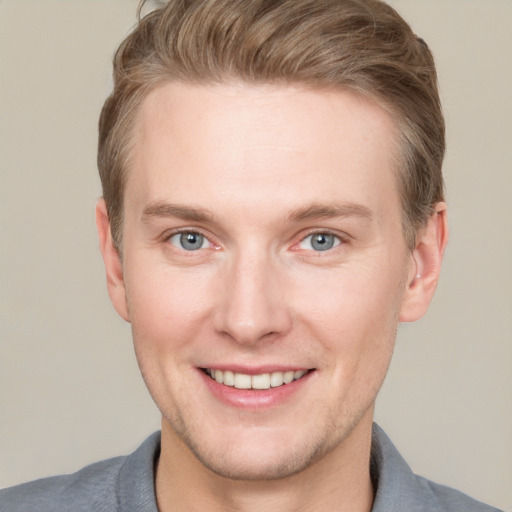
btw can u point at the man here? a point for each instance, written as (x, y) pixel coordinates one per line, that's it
(273, 208)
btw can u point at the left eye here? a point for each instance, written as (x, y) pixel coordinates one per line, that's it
(189, 241)
(320, 242)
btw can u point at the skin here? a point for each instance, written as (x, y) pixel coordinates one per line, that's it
(257, 171)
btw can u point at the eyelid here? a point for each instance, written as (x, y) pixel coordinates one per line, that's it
(178, 242)
(342, 238)
(184, 230)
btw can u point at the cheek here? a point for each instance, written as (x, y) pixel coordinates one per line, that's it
(167, 306)
(362, 299)
(354, 315)
(168, 314)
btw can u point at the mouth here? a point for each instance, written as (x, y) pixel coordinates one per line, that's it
(260, 381)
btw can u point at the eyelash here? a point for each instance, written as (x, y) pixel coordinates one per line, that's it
(181, 232)
(338, 240)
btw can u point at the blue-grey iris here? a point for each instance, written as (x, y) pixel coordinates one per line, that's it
(191, 241)
(322, 241)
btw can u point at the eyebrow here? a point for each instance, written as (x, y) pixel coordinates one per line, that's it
(313, 211)
(335, 210)
(189, 213)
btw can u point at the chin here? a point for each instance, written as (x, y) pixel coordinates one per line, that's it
(244, 467)
(258, 460)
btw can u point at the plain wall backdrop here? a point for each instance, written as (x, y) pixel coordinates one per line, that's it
(70, 390)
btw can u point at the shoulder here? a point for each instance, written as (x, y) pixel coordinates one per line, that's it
(102, 486)
(91, 487)
(450, 499)
(398, 488)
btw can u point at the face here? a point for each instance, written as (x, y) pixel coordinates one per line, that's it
(264, 269)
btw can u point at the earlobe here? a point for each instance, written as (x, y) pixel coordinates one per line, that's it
(111, 259)
(425, 269)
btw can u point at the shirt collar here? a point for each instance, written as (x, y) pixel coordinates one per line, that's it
(396, 486)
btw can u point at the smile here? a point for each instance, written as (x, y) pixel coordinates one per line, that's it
(261, 381)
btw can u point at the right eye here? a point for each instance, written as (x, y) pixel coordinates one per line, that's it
(189, 241)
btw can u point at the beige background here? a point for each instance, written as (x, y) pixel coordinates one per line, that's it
(70, 392)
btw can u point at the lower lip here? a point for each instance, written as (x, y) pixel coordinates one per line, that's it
(251, 398)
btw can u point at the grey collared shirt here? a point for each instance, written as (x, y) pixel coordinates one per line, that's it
(126, 484)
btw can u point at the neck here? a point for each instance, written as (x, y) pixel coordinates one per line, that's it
(339, 481)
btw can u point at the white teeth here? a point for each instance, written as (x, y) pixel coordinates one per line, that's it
(261, 381)
(229, 378)
(242, 381)
(288, 377)
(276, 379)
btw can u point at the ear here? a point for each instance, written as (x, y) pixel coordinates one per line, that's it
(425, 269)
(112, 261)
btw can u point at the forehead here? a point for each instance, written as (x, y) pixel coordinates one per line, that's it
(253, 144)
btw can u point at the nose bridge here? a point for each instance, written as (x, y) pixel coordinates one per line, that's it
(253, 306)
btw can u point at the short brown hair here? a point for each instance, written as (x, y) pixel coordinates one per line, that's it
(358, 45)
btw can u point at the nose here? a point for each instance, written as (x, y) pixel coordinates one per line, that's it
(253, 305)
